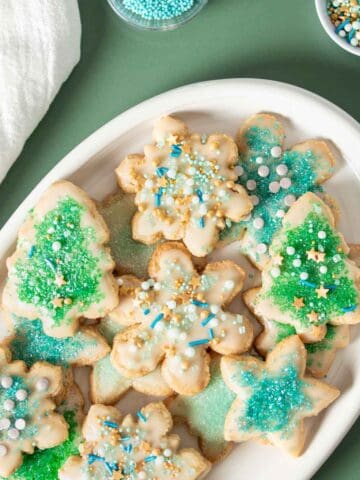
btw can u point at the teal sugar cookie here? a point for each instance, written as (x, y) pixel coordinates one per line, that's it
(45, 464)
(320, 355)
(130, 256)
(28, 342)
(309, 281)
(274, 178)
(205, 413)
(61, 271)
(274, 397)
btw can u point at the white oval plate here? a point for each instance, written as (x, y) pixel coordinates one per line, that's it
(222, 106)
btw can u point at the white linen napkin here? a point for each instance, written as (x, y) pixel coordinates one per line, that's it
(39, 47)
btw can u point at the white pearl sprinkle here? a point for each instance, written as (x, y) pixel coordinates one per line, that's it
(213, 323)
(229, 285)
(21, 395)
(285, 183)
(183, 336)
(206, 197)
(261, 248)
(56, 246)
(173, 333)
(141, 475)
(354, 42)
(203, 209)
(281, 169)
(6, 382)
(323, 269)
(167, 452)
(171, 304)
(239, 170)
(274, 187)
(190, 181)
(145, 285)
(342, 33)
(304, 276)
(20, 424)
(214, 308)
(3, 450)
(280, 214)
(222, 193)
(289, 200)
(254, 200)
(4, 423)
(275, 272)
(251, 185)
(259, 160)
(188, 190)
(157, 286)
(159, 460)
(242, 330)
(149, 183)
(51, 230)
(190, 352)
(13, 433)
(336, 258)
(258, 223)
(191, 171)
(348, 27)
(9, 405)
(263, 171)
(276, 152)
(170, 173)
(290, 250)
(297, 262)
(42, 384)
(322, 234)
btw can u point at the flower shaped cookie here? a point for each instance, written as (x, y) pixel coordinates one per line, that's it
(125, 449)
(176, 315)
(61, 270)
(309, 280)
(274, 178)
(185, 187)
(27, 417)
(274, 397)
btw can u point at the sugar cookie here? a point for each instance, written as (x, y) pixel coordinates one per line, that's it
(60, 270)
(129, 449)
(176, 315)
(185, 187)
(274, 397)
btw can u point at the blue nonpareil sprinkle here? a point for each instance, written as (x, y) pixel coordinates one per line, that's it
(195, 343)
(351, 35)
(198, 303)
(32, 251)
(141, 416)
(211, 333)
(349, 309)
(146, 311)
(158, 196)
(161, 171)
(110, 466)
(175, 151)
(330, 287)
(150, 458)
(127, 448)
(202, 222)
(156, 320)
(158, 9)
(307, 284)
(111, 424)
(200, 195)
(342, 25)
(207, 319)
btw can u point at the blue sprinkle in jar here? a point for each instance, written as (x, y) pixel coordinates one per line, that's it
(157, 14)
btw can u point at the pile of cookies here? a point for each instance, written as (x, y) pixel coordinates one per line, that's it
(135, 288)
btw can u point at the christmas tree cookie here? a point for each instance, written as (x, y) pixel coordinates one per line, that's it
(176, 315)
(61, 270)
(274, 178)
(27, 417)
(45, 464)
(205, 413)
(185, 187)
(274, 397)
(309, 281)
(107, 384)
(27, 341)
(320, 355)
(119, 448)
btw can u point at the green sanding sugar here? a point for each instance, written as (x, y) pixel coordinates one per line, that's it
(301, 276)
(325, 344)
(60, 266)
(45, 464)
(31, 344)
(274, 400)
(206, 411)
(283, 331)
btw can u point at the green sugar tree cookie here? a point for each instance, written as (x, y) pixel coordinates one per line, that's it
(310, 280)
(274, 178)
(60, 270)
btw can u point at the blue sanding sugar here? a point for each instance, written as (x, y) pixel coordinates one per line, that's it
(158, 9)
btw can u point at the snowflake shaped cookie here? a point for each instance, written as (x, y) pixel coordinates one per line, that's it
(274, 397)
(185, 187)
(61, 270)
(176, 316)
(125, 449)
(274, 178)
(27, 417)
(310, 280)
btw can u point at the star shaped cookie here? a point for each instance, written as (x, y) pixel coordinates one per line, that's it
(176, 315)
(185, 187)
(274, 397)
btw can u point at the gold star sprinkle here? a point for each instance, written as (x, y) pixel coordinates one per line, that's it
(278, 259)
(298, 302)
(322, 292)
(316, 256)
(313, 316)
(57, 302)
(59, 280)
(186, 148)
(172, 139)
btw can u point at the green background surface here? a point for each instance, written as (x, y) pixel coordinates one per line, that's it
(120, 67)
